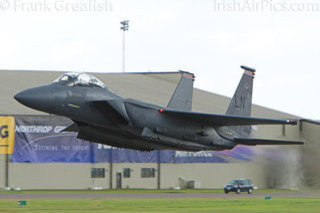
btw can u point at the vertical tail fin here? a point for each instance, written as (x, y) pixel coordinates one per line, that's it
(242, 100)
(182, 96)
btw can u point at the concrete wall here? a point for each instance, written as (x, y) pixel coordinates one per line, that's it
(206, 175)
(2, 171)
(56, 176)
(310, 158)
(210, 175)
(135, 181)
(311, 132)
(78, 176)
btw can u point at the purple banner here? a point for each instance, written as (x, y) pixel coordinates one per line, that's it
(38, 139)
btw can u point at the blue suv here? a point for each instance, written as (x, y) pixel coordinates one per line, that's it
(238, 186)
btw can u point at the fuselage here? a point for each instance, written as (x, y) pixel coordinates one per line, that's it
(142, 126)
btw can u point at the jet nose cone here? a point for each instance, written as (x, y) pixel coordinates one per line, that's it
(21, 97)
(37, 98)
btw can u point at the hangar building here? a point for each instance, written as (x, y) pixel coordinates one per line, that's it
(271, 166)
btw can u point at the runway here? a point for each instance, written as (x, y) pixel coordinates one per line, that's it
(97, 195)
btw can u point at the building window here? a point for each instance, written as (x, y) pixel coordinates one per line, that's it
(147, 172)
(97, 173)
(126, 172)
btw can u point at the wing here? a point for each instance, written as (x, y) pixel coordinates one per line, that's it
(113, 108)
(224, 120)
(254, 142)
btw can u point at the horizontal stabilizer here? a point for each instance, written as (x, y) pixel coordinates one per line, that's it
(254, 142)
(224, 120)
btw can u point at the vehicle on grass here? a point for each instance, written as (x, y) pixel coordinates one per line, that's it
(238, 186)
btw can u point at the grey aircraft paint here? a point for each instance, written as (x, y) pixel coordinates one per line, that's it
(102, 116)
(182, 96)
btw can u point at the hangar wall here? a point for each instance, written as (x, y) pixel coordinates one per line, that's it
(55, 176)
(77, 175)
(2, 171)
(310, 158)
(210, 175)
(160, 87)
(172, 175)
(310, 131)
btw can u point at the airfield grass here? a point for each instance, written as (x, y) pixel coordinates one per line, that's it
(175, 205)
(148, 191)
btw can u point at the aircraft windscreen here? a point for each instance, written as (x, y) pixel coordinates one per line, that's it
(237, 182)
(81, 79)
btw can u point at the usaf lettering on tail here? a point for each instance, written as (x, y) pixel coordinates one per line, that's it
(104, 117)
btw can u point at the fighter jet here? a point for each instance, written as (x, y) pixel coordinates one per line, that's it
(101, 116)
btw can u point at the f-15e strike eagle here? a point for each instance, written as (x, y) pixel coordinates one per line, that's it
(101, 116)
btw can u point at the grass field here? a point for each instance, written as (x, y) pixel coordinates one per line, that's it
(232, 204)
(148, 191)
(165, 205)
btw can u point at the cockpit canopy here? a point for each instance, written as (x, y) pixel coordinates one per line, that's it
(79, 79)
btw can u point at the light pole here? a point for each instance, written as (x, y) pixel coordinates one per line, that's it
(124, 27)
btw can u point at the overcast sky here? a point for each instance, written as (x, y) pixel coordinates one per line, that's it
(210, 38)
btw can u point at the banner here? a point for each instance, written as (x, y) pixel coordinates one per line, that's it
(40, 140)
(6, 135)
